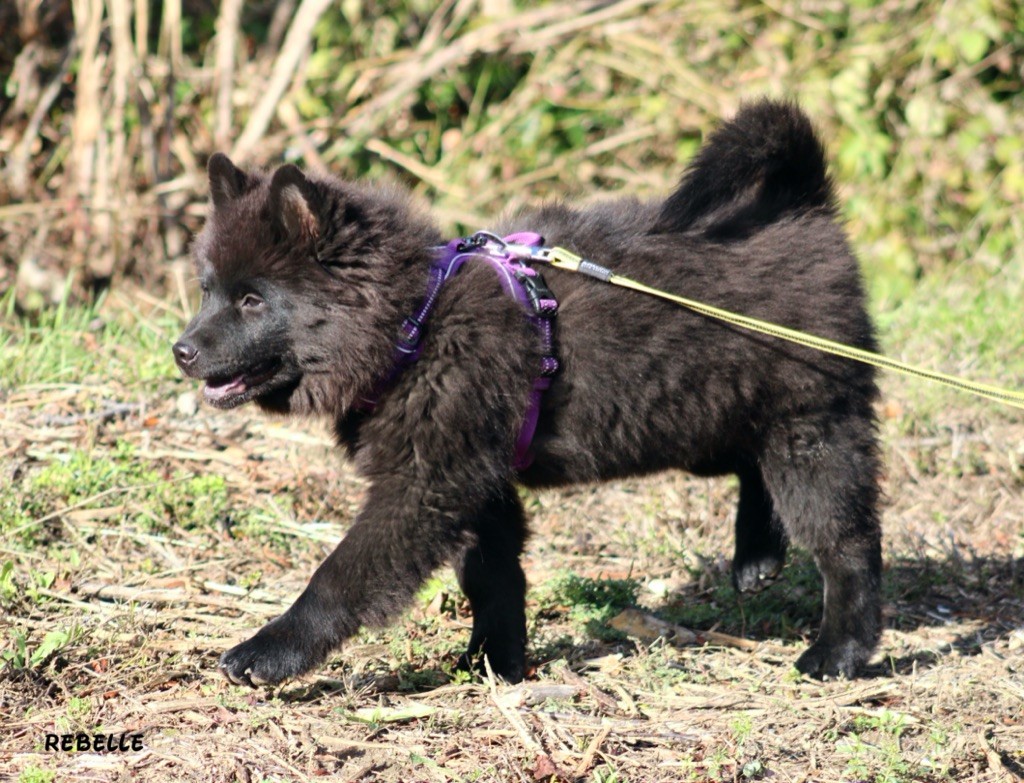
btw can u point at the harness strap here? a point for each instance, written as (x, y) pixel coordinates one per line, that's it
(508, 258)
(543, 308)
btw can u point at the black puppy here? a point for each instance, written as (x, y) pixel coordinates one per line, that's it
(306, 280)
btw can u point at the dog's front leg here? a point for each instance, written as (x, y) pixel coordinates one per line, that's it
(398, 539)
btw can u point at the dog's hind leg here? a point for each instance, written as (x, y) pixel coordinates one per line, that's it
(822, 474)
(760, 538)
(492, 579)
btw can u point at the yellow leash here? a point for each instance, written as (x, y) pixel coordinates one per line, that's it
(560, 258)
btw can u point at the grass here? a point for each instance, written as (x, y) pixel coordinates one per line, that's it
(35, 774)
(959, 321)
(117, 486)
(84, 345)
(592, 602)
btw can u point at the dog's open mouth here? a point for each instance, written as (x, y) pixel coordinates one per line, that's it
(228, 391)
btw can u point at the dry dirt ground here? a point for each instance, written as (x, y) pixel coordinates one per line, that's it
(150, 609)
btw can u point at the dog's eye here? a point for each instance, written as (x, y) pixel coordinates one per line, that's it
(251, 301)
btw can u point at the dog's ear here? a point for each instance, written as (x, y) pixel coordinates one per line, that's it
(227, 181)
(292, 204)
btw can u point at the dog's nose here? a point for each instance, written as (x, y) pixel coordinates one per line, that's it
(184, 353)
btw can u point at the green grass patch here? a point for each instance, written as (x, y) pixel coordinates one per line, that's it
(85, 344)
(592, 603)
(34, 774)
(782, 610)
(960, 321)
(116, 481)
(872, 749)
(19, 654)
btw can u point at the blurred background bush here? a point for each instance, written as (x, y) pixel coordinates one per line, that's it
(110, 109)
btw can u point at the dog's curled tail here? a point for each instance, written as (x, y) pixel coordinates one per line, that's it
(764, 163)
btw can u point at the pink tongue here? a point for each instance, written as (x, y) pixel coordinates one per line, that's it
(234, 386)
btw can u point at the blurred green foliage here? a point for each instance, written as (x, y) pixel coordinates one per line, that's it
(485, 106)
(920, 103)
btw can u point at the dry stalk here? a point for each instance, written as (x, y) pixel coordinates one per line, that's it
(141, 30)
(23, 75)
(17, 163)
(88, 16)
(171, 50)
(156, 595)
(170, 35)
(283, 12)
(295, 45)
(513, 717)
(118, 164)
(435, 179)
(227, 46)
(592, 750)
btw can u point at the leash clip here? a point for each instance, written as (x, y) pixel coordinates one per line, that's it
(481, 239)
(542, 300)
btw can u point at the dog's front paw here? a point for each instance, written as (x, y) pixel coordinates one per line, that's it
(832, 661)
(278, 652)
(512, 669)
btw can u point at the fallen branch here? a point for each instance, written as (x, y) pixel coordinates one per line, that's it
(159, 595)
(648, 628)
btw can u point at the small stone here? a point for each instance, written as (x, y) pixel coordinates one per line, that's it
(1017, 639)
(659, 587)
(187, 404)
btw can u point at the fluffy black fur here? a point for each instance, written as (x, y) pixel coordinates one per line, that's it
(306, 281)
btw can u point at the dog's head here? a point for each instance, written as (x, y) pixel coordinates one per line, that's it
(292, 271)
(260, 233)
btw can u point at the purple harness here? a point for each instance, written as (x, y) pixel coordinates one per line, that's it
(508, 257)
